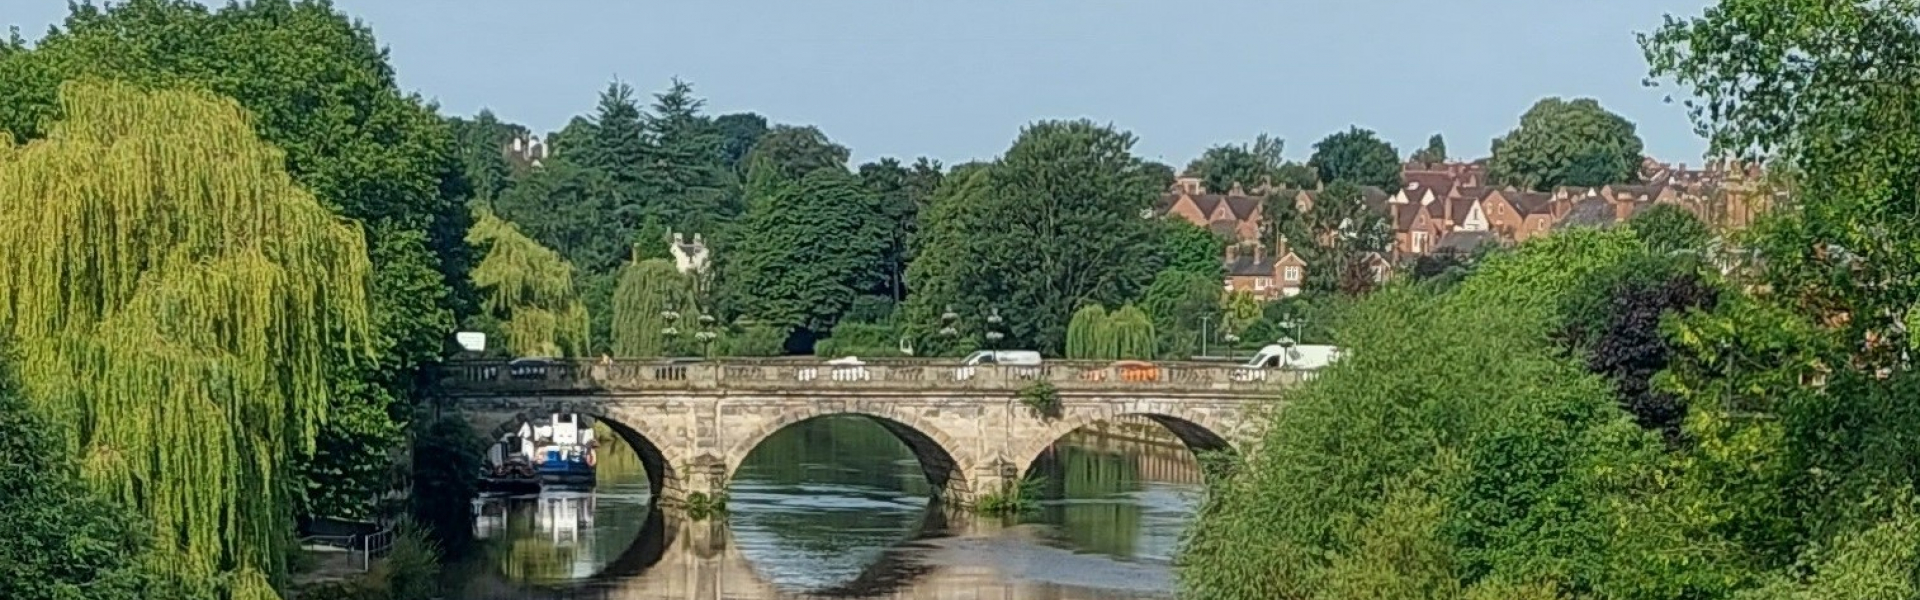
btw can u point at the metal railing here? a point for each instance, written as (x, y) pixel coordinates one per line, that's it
(584, 375)
(365, 546)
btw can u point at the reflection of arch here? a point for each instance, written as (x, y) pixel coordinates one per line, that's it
(929, 445)
(656, 536)
(659, 466)
(899, 565)
(1196, 436)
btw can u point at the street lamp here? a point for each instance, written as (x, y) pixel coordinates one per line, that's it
(993, 329)
(947, 319)
(707, 335)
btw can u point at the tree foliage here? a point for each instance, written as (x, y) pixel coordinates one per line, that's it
(1357, 156)
(319, 88)
(1566, 143)
(1182, 305)
(1061, 221)
(806, 250)
(1247, 167)
(1434, 153)
(1089, 336)
(1670, 228)
(652, 299)
(1132, 333)
(191, 344)
(58, 540)
(1336, 235)
(528, 290)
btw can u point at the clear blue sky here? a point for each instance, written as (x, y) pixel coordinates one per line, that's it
(956, 79)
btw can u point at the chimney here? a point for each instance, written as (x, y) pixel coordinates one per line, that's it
(1233, 252)
(1259, 253)
(697, 241)
(677, 240)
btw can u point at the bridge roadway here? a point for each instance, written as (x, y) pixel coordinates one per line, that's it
(694, 423)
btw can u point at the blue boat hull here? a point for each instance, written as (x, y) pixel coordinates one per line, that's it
(556, 471)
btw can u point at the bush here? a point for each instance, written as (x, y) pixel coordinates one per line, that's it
(859, 339)
(754, 339)
(447, 458)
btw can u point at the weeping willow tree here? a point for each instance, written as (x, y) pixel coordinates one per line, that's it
(178, 301)
(1132, 333)
(1089, 334)
(528, 289)
(653, 310)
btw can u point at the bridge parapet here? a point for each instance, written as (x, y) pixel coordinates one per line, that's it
(563, 376)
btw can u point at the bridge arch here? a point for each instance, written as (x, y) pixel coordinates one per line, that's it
(1199, 431)
(938, 454)
(663, 478)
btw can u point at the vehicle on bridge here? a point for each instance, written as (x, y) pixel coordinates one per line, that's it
(1287, 355)
(1005, 358)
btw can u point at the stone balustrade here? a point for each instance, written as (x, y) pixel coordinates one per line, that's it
(586, 375)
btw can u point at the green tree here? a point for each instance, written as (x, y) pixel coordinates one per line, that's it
(791, 152)
(1132, 332)
(1357, 156)
(156, 235)
(1528, 472)
(1250, 167)
(1434, 153)
(650, 290)
(739, 132)
(1828, 118)
(1335, 235)
(1669, 228)
(1183, 304)
(481, 144)
(902, 192)
(1089, 334)
(57, 540)
(615, 143)
(805, 251)
(1192, 248)
(319, 88)
(688, 184)
(528, 291)
(1566, 143)
(1020, 234)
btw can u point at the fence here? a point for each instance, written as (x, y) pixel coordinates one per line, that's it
(365, 546)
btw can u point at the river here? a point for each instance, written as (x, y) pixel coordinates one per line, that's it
(836, 507)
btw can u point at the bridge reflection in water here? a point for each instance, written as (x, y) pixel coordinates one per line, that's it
(837, 508)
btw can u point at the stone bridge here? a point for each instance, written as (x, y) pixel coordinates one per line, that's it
(975, 430)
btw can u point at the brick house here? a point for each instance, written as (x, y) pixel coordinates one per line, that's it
(1251, 270)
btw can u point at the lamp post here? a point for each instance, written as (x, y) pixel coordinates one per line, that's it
(669, 332)
(993, 334)
(707, 335)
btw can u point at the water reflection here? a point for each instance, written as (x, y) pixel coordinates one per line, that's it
(838, 508)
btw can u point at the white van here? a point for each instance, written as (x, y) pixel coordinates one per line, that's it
(1005, 358)
(1293, 357)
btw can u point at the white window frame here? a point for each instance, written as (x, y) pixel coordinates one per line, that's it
(1260, 284)
(1291, 275)
(1419, 242)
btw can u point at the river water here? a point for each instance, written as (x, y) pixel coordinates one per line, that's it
(836, 507)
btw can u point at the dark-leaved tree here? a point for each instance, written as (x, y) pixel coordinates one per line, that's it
(1063, 220)
(1357, 156)
(1562, 142)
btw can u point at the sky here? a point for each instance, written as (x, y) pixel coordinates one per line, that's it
(956, 80)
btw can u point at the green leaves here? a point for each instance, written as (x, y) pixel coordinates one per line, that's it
(1357, 156)
(1566, 143)
(1061, 221)
(806, 249)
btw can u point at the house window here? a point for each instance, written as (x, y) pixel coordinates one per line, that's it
(1292, 274)
(1419, 242)
(1228, 283)
(1261, 284)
